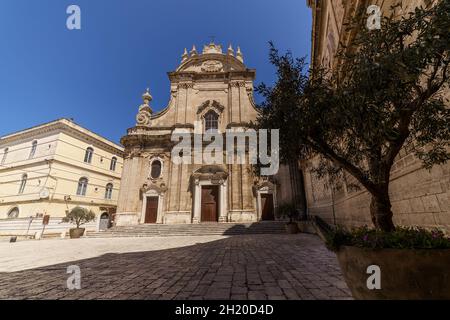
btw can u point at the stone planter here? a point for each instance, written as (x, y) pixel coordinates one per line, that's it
(291, 228)
(76, 233)
(306, 227)
(406, 274)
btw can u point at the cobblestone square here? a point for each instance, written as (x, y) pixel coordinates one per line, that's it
(209, 267)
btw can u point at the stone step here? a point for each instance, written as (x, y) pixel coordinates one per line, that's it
(191, 230)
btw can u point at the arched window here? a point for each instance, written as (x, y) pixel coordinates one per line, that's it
(23, 183)
(211, 121)
(5, 153)
(33, 149)
(88, 155)
(13, 213)
(82, 187)
(155, 171)
(112, 166)
(108, 191)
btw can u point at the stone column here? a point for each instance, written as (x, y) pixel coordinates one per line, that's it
(223, 216)
(159, 217)
(130, 204)
(258, 206)
(197, 202)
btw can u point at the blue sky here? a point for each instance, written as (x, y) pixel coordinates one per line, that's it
(96, 75)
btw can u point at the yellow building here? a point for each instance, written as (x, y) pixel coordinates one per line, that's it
(51, 168)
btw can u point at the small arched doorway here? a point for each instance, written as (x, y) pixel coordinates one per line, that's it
(209, 187)
(266, 200)
(104, 221)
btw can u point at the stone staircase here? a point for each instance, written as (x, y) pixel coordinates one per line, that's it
(202, 229)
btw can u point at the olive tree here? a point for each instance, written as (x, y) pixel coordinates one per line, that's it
(79, 216)
(388, 93)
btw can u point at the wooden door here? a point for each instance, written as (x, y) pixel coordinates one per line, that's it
(267, 207)
(210, 203)
(151, 210)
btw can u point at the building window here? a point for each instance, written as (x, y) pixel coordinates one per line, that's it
(33, 149)
(5, 153)
(23, 183)
(211, 121)
(82, 187)
(155, 171)
(108, 191)
(112, 166)
(88, 155)
(13, 213)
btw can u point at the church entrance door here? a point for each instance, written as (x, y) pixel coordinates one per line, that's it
(151, 210)
(267, 207)
(210, 204)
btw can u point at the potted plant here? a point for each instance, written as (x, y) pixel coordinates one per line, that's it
(413, 263)
(305, 225)
(288, 211)
(78, 216)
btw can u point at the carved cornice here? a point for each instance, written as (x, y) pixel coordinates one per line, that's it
(161, 189)
(214, 104)
(137, 130)
(142, 142)
(268, 184)
(239, 125)
(67, 126)
(229, 61)
(248, 75)
(237, 84)
(185, 85)
(210, 172)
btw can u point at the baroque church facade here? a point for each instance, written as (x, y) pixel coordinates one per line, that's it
(213, 88)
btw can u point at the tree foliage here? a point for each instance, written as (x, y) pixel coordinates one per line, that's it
(79, 216)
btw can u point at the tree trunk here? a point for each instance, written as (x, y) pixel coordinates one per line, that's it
(380, 211)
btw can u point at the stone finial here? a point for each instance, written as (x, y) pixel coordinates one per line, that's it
(185, 55)
(230, 50)
(193, 51)
(239, 55)
(144, 115)
(147, 97)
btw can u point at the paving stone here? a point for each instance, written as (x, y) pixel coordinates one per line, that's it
(239, 290)
(256, 295)
(239, 297)
(273, 291)
(291, 294)
(254, 267)
(217, 294)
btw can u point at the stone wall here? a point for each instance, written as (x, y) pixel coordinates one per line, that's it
(55, 228)
(418, 196)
